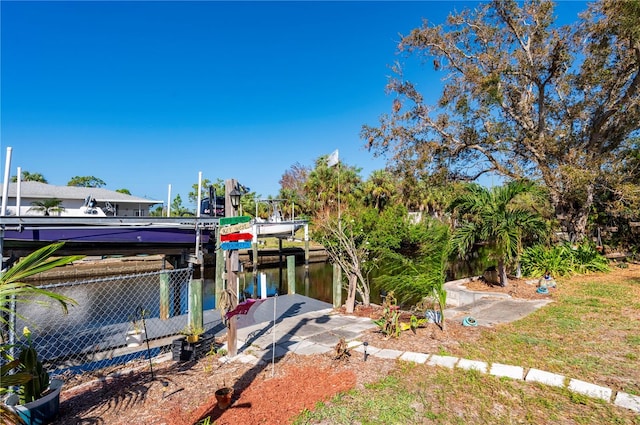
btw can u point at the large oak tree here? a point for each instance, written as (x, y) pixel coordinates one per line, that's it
(523, 98)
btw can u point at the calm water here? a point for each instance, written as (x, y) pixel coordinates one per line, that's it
(320, 283)
(96, 301)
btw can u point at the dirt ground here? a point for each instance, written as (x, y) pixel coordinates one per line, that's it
(184, 393)
(272, 394)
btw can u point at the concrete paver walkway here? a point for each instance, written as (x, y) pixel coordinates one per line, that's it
(306, 326)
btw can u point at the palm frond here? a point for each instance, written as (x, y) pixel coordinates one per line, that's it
(13, 287)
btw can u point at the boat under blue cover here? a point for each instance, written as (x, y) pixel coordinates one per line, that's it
(151, 234)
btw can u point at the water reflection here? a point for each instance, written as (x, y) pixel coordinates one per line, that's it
(320, 283)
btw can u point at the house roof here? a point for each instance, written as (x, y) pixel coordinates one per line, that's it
(30, 189)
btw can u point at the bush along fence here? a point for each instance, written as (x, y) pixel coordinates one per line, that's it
(113, 320)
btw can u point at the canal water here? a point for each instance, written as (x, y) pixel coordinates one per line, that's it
(96, 300)
(319, 285)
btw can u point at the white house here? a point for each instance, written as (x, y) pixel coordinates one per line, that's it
(76, 200)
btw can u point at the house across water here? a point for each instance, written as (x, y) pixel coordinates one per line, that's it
(38, 199)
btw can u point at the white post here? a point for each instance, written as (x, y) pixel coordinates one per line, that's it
(197, 224)
(18, 191)
(200, 194)
(5, 189)
(169, 202)
(263, 286)
(339, 210)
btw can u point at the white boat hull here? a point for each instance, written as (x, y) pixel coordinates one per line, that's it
(278, 230)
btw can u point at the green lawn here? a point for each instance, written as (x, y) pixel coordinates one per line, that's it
(590, 332)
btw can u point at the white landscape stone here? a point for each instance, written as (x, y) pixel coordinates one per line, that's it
(445, 361)
(507, 371)
(473, 364)
(414, 357)
(547, 378)
(388, 354)
(590, 390)
(628, 401)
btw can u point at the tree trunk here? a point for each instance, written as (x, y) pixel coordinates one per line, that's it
(573, 219)
(364, 290)
(502, 273)
(351, 293)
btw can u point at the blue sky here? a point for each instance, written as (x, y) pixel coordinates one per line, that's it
(147, 94)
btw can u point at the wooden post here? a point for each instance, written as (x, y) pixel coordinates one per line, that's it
(254, 247)
(337, 286)
(232, 334)
(232, 280)
(291, 274)
(165, 297)
(195, 303)
(219, 268)
(280, 261)
(306, 259)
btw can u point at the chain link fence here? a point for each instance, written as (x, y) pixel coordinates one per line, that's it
(94, 333)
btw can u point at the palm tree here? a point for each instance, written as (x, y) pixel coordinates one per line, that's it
(12, 288)
(48, 206)
(11, 285)
(379, 189)
(30, 177)
(498, 218)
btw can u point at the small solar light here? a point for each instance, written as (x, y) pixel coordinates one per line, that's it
(165, 384)
(365, 350)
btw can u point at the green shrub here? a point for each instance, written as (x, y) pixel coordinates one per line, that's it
(562, 260)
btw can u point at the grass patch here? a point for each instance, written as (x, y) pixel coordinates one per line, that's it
(633, 340)
(462, 397)
(581, 334)
(589, 332)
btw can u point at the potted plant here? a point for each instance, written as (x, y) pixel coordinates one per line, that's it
(223, 397)
(13, 371)
(37, 399)
(191, 346)
(192, 333)
(136, 333)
